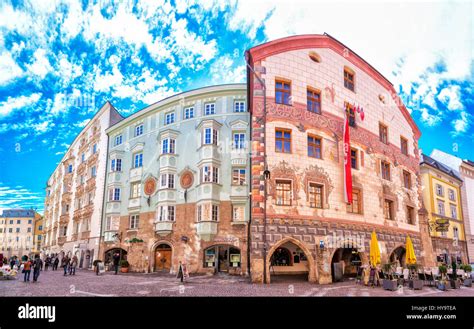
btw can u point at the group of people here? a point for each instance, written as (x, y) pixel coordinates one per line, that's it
(27, 264)
(51, 261)
(69, 265)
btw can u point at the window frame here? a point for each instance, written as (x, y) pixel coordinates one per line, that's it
(406, 174)
(283, 192)
(283, 91)
(282, 139)
(212, 108)
(310, 98)
(139, 129)
(348, 82)
(356, 199)
(383, 133)
(313, 195)
(312, 145)
(404, 145)
(385, 165)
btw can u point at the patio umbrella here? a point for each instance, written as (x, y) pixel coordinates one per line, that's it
(410, 252)
(374, 250)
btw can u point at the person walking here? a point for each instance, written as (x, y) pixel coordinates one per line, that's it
(72, 267)
(26, 270)
(47, 261)
(116, 262)
(37, 267)
(56, 263)
(12, 262)
(65, 264)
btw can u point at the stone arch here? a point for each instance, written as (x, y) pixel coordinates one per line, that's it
(363, 254)
(312, 274)
(152, 253)
(401, 245)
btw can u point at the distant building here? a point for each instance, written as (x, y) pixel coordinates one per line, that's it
(38, 236)
(75, 191)
(16, 232)
(465, 170)
(442, 199)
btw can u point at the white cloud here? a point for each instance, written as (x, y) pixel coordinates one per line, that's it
(41, 66)
(9, 69)
(461, 124)
(82, 124)
(20, 197)
(13, 104)
(430, 119)
(451, 97)
(223, 71)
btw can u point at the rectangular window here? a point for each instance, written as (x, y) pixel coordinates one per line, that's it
(135, 190)
(215, 213)
(388, 209)
(134, 221)
(169, 118)
(199, 213)
(209, 174)
(83, 157)
(189, 113)
(406, 179)
(29, 230)
(69, 168)
(167, 180)
(439, 190)
(451, 195)
(314, 147)
(238, 213)
(351, 116)
(17, 230)
(210, 109)
(348, 79)
(210, 136)
(283, 193)
(108, 223)
(239, 106)
(118, 140)
(356, 206)
(441, 210)
(238, 176)
(354, 162)
(404, 145)
(114, 194)
(410, 215)
(313, 101)
(93, 171)
(283, 140)
(239, 140)
(315, 192)
(138, 160)
(167, 213)
(454, 211)
(383, 133)
(139, 130)
(282, 92)
(385, 170)
(456, 233)
(94, 149)
(168, 146)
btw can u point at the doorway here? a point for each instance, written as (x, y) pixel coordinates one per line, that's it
(163, 257)
(345, 264)
(288, 263)
(224, 259)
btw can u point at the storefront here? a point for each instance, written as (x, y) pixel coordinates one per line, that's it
(109, 256)
(289, 260)
(345, 263)
(223, 258)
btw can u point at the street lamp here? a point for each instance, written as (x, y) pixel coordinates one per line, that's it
(266, 172)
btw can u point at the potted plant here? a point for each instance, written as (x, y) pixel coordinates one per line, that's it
(414, 282)
(455, 282)
(124, 265)
(442, 283)
(468, 280)
(389, 283)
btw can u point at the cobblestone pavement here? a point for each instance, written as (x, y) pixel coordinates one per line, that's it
(86, 283)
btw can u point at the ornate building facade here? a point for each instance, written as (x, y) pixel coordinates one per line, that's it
(177, 184)
(75, 190)
(443, 200)
(299, 90)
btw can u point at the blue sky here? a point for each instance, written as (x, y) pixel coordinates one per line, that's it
(61, 60)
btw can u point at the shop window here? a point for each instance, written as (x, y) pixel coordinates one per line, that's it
(281, 257)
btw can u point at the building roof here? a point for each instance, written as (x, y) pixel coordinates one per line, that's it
(18, 213)
(469, 162)
(438, 165)
(308, 41)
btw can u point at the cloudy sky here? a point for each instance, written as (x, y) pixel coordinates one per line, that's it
(61, 60)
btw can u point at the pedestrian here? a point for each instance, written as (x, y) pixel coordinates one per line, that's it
(56, 263)
(27, 270)
(180, 272)
(47, 261)
(65, 264)
(12, 262)
(72, 266)
(37, 267)
(116, 262)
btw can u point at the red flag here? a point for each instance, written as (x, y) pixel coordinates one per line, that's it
(347, 163)
(362, 114)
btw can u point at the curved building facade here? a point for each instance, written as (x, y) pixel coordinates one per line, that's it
(300, 89)
(177, 184)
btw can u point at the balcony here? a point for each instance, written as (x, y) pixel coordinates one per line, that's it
(238, 157)
(134, 203)
(207, 191)
(85, 235)
(167, 195)
(239, 191)
(64, 219)
(93, 159)
(74, 237)
(61, 240)
(112, 207)
(206, 230)
(168, 160)
(90, 184)
(110, 236)
(136, 174)
(163, 228)
(209, 151)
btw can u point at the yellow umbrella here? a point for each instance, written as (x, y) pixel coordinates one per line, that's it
(410, 252)
(374, 250)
